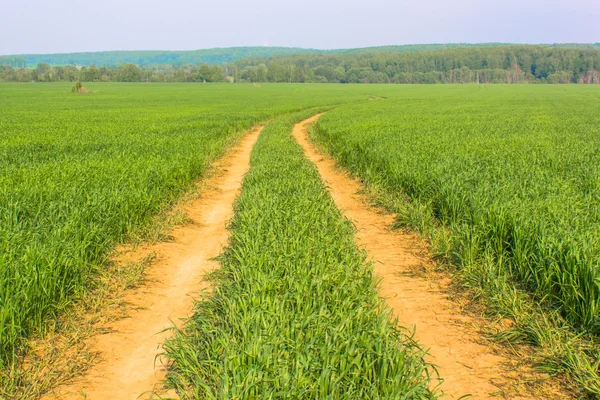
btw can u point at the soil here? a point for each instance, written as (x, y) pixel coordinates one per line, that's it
(455, 345)
(131, 366)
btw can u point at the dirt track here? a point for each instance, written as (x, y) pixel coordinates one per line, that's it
(466, 366)
(128, 369)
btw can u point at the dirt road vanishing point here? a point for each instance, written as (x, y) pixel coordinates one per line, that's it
(466, 366)
(128, 369)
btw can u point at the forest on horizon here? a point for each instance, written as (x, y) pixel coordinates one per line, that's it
(219, 56)
(493, 63)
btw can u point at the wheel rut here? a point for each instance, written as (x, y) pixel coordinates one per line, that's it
(130, 366)
(466, 366)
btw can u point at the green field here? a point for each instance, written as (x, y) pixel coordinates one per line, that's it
(503, 181)
(513, 173)
(79, 174)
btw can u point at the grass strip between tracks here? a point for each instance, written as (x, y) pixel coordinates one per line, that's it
(294, 311)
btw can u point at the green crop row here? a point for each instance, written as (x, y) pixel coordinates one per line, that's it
(295, 311)
(81, 173)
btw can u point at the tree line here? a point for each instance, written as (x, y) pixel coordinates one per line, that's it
(44, 72)
(500, 64)
(217, 56)
(146, 58)
(503, 64)
(221, 56)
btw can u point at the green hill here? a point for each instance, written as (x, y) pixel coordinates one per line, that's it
(221, 56)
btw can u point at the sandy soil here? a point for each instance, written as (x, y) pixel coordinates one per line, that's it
(131, 367)
(466, 366)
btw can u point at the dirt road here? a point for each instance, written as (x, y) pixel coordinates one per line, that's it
(130, 367)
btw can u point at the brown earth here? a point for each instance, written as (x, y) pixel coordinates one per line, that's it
(455, 344)
(131, 367)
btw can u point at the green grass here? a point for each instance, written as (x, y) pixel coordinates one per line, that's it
(505, 181)
(295, 311)
(81, 173)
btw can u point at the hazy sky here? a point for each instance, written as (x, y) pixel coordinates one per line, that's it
(44, 26)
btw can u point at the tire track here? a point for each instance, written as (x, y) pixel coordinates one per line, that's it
(131, 367)
(466, 366)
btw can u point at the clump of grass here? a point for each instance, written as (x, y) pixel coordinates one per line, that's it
(78, 88)
(294, 312)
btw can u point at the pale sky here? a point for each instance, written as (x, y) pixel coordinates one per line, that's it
(44, 26)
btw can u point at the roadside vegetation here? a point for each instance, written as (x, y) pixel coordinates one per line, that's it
(504, 183)
(294, 311)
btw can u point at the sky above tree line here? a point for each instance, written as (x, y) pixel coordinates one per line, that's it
(42, 26)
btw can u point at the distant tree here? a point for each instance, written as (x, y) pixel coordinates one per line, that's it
(42, 72)
(325, 73)
(277, 73)
(204, 73)
(91, 74)
(25, 75)
(7, 73)
(298, 74)
(259, 73)
(128, 73)
(217, 74)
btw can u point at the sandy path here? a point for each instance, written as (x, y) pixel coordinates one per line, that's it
(128, 369)
(466, 366)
